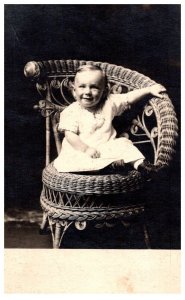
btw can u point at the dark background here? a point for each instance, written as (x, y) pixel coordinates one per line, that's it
(141, 37)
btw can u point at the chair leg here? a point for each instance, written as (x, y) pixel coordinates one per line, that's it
(60, 229)
(44, 225)
(146, 237)
(57, 236)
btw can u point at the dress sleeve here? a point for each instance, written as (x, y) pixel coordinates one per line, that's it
(69, 119)
(119, 103)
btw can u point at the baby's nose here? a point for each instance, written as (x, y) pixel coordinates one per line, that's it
(87, 90)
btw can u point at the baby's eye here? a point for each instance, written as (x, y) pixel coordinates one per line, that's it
(82, 86)
(95, 87)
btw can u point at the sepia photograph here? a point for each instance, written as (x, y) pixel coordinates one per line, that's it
(92, 127)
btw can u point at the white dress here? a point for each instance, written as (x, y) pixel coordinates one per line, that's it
(95, 130)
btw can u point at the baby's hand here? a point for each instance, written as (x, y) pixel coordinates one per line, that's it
(156, 90)
(92, 152)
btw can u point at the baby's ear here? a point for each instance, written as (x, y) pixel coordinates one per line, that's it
(106, 91)
(72, 88)
(71, 85)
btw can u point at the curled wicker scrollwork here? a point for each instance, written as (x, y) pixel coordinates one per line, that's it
(80, 225)
(42, 89)
(47, 108)
(145, 134)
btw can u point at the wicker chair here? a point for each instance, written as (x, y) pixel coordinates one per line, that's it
(69, 198)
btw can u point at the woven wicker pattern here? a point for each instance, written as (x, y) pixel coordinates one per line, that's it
(88, 214)
(53, 68)
(167, 129)
(91, 184)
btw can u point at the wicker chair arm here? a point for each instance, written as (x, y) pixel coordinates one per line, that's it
(53, 68)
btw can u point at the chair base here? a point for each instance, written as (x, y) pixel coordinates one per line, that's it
(60, 218)
(58, 230)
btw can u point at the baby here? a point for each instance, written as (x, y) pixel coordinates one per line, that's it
(90, 141)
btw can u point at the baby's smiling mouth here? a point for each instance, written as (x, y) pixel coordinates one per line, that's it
(87, 99)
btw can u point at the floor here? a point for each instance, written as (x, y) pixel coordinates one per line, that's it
(22, 231)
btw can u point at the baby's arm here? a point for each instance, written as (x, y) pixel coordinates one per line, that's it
(136, 95)
(75, 141)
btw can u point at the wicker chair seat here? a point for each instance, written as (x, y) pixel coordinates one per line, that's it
(91, 184)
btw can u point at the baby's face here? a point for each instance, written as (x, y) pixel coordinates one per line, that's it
(88, 88)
